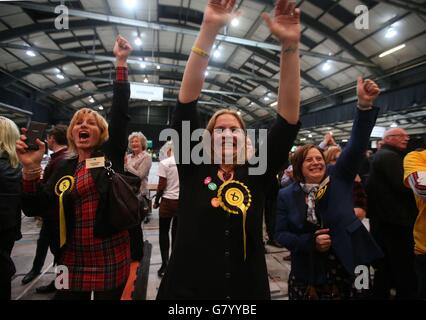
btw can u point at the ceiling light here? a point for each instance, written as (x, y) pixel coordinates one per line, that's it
(60, 76)
(274, 104)
(91, 100)
(310, 136)
(206, 73)
(57, 70)
(235, 22)
(101, 108)
(266, 99)
(239, 113)
(216, 53)
(138, 41)
(130, 3)
(390, 33)
(345, 140)
(394, 125)
(302, 139)
(145, 80)
(143, 65)
(30, 53)
(384, 54)
(326, 66)
(158, 67)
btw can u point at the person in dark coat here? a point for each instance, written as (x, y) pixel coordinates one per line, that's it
(10, 202)
(315, 216)
(392, 211)
(219, 252)
(96, 255)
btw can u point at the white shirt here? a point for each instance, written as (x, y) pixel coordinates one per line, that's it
(168, 169)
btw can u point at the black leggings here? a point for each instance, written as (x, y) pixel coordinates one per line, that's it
(164, 237)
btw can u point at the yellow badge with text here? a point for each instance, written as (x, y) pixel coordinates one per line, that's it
(234, 197)
(64, 184)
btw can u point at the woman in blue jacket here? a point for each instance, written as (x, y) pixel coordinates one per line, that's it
(315, 215)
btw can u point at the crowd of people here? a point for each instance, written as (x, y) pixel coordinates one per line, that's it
(314, 202)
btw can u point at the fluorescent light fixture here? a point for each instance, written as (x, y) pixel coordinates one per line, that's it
(206, 73)
(345, 140)
(239, 113)
(274, 104)
(394, 125)
(91, 100)
(158, 67)
(101, 108)
(302, 139)
(266, 99)
(138, 41)
(235, 22)
(143, 65)
(60, 76)
(30, 53)
(130, 3)
(391, 33)
(326, 66)
(216, 53)
(384, 54)
(145, 80)
(310, 136)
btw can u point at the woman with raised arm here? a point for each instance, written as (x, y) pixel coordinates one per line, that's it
(96, 256)
(316, 220)
(219, 253)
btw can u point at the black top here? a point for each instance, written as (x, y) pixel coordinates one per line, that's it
(389, 201)
(207, 260)
(10, 195)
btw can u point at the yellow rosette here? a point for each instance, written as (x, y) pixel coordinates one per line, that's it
(234, 197)
(64, 184)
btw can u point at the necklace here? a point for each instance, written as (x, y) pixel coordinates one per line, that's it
(226, 175)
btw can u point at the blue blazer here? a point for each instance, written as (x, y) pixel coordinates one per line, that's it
(351, 242)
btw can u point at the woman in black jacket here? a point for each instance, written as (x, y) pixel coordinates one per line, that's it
(10, 206)
(96, 256)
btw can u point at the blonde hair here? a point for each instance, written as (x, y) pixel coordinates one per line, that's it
(331, 154)
(100, 121)
(141, 137)
(212, 122)
(9, 134)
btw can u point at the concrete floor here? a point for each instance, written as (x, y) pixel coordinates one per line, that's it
(24, 250)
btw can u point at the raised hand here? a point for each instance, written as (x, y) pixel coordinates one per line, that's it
(367, 92)
(122, 49)
(219, 13)
(286, 23)
(30, 159)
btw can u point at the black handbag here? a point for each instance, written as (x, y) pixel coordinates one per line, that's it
(123, 207)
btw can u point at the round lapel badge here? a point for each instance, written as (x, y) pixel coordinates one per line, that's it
(215, 202)
(212, 186)
(207, 180)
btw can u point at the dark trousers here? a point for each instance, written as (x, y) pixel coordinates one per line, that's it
(114, 294)
(136, 243)
(7, 240)
(164, 237)
(396, 269)
(420, 262)
(45, 240)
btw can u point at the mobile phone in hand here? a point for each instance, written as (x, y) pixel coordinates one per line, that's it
(35, 131)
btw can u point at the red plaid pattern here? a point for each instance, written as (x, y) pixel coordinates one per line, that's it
(121, 74)
(93, 263)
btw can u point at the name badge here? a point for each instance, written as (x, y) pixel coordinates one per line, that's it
(95, 163)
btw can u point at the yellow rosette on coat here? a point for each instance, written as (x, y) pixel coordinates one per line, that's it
(234, 197)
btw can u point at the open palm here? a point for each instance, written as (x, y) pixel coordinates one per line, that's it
(286, 23)
(219, 12)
